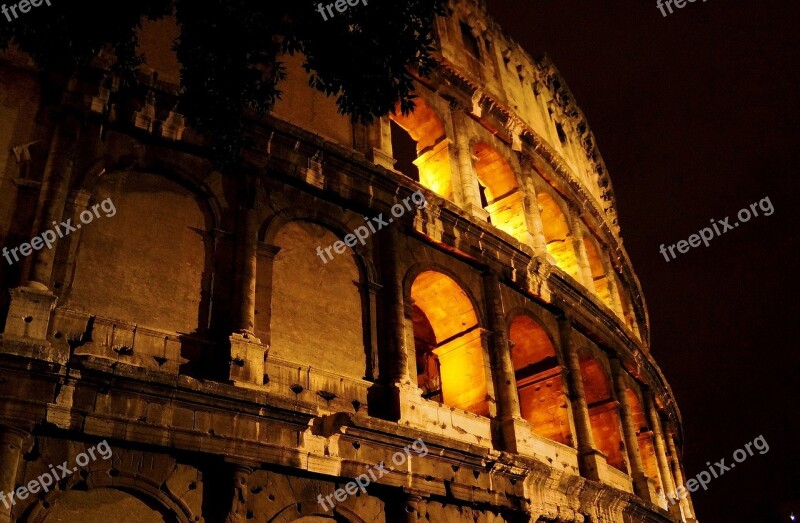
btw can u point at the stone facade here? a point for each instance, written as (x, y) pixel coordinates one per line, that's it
(237, 377)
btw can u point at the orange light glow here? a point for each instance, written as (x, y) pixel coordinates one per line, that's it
(433, 147)
(557, 235)
(543, 401)
(447, 310)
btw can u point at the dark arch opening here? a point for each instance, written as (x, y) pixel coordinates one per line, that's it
(404, 149)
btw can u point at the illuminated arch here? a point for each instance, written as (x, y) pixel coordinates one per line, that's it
(602, 412)
(558, 235)
(449, 343)
(602, 287)
(540, 385)
(500, 194)
(628, 314)
(432, 161)
(645, 439)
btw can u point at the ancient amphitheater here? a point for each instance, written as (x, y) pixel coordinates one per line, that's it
(237, 377)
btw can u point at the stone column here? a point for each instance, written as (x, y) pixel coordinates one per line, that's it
(533, 217)
(466, 170)
(661, 455)
(613, 290)
(247, 352)
(247, 249)
(412, 509)
(502, 367)
(680, 488)
(53, 196)
(11, 443)
(576, 229)
(398, 373)
(592, 463)
(370, 293)
(241, 494)
(640, 482)
(398, 369)
(33, 302)
(379, 143)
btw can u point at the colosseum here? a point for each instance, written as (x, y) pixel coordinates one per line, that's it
(245, 351)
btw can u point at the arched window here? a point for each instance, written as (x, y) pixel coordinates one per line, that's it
(601, 286)
(150, 276)
(448, 343)
(558, 236)
(543, 400)
(500, 192)
(432, 155)
(315, 308)
(603, 412)
(404, 150)
(93, 505)
(627, 308)
(645, 438)
(429, 375)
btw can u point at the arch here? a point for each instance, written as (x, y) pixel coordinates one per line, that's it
(93, 505)
(558, 235)
(644, 438)
(628, 314)
(156, 277)
(195, 175)
(540, 384)
(310, 310)
(500, 193)
(142, 497)
(309, 511)
(450, 342)
(602, 287)
(427, 131)
(316, 214)
(603, 412)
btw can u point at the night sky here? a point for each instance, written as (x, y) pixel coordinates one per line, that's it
(696, 116)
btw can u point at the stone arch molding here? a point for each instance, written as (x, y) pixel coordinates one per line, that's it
(310, 512)
(339, 226)
(147, 493)
(418, 268)
(201, 180)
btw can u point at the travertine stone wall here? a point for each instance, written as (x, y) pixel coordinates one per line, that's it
(237, 376)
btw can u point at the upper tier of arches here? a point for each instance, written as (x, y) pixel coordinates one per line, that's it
(483, 174)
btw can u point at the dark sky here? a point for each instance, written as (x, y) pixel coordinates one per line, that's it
(696, 116)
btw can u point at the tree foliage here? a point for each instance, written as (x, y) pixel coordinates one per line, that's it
(229, 49)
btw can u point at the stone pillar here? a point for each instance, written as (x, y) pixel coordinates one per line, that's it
(680, 488)
(613, 290)
(502, 368)
(640, 482)
(661, 456)
(398, 369)
(247, 352)
(32, 303)
(584, 270)
(466, 170)
(412, 509)
(247, 249)
(369, 293)
(379, 143)
(398, 373)
(11, 443)
(241, 494)
(533, 217)
(592, 462)
(53, 197)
